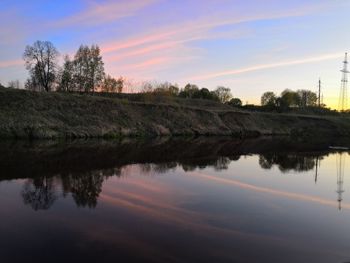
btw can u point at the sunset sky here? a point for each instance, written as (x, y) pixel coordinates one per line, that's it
(250, 46)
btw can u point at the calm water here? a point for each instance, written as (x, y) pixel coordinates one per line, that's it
(199, 200)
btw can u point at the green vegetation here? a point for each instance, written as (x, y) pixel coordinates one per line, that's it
(28, 114)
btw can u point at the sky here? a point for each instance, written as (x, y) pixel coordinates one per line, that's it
(250, 46)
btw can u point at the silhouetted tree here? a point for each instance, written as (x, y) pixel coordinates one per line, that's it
(235, 102)
(166, 89)
(88, 68)
(290, 98)
(188, 91)
(307, 98)
(41, 61)
(109, 84)
(224, 94)
(66, 75)
(268, 99)
(120, 84)
(205, 94)
(32, 84)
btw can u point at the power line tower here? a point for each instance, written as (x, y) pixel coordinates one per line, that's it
(340, 159)
(343, 98)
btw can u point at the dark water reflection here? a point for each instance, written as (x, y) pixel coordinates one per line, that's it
(193, 200)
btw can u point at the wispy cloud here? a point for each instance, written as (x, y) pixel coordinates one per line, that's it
(267, 66)
(98, 13)
(259, 189)
(176, 40)
(191, 31)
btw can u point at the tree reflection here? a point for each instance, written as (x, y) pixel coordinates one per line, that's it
(81, 167)
(222, 163)
(287, 162)
(86, 188)
(39, 193)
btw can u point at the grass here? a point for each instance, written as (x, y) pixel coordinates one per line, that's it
(26, 114)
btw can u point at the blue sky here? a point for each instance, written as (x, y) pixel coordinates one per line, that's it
(249, 46)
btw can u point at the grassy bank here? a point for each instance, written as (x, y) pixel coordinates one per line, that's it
(25, 114)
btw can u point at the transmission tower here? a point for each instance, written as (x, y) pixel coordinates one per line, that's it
(343, 97)
(340, 159)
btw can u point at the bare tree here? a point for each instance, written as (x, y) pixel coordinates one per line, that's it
(41, 61)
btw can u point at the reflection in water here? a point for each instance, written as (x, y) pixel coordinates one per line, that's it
(39, 193)
(84, 182)
(318, 164)
(85, 189)
(146, 209)
(287, 162)
(340, 159)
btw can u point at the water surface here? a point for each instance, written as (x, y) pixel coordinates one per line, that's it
(194, 200)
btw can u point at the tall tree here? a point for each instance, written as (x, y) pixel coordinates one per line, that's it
(41, 61)
(66, 74)
(96, 68)
(89, 68)
(81, 65)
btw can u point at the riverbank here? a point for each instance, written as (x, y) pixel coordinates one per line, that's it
(33, 115)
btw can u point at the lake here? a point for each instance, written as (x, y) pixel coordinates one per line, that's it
(174, 200)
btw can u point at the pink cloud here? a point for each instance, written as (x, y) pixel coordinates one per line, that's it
(172, 41)
(200, 28)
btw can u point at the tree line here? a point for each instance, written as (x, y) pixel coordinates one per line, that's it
(191, 91)
(289, 98)
(85, 73)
